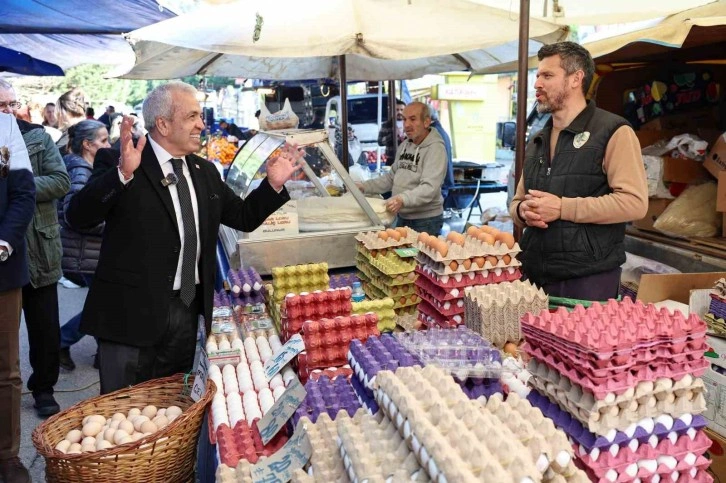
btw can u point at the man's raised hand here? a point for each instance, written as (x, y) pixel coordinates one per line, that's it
(130, 154)
(282, 165)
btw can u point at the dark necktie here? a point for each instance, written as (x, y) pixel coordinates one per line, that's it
(189, 256)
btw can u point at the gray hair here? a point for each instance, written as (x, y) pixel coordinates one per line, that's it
(424, 110)
(6, 86)
(159, 102)
(573, 57)
(83, 131)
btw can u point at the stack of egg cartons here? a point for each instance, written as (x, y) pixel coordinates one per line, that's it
(246, 287)
(296, 279)
(374, 355)
(382, 308)
(716, 316)
(494, 310)
(447, 267)
(385, 274)
(297, 308)
(243, 396)
(327, 340)
(622, 379)
(326, 396)
(473, 362)
(325, 461)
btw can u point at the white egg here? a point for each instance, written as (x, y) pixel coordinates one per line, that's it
(224, 345)
(149, 411)
(238, 344)
(75, 448)
(118, 417)
(88, 440)
(251, 349)
(119, 436)
(63, 445)
(276, 382)
(173, 411)
(115, 424)
(108, 435)
(92, 428)
(104, 445)
(148, 427)
(134, 412)
(74, 436)
(127, 426)
(277, 392)
(160, 421)
(88, 448)
(161, 412)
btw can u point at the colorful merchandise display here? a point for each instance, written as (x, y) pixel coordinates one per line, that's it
(383, 308)
(716, 316)
(297, 308)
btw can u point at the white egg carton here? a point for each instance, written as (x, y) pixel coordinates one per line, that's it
(372, 241)
(470, 249)
(444, 267)
(325, 465)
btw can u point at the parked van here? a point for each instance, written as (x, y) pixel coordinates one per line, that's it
(362, 115)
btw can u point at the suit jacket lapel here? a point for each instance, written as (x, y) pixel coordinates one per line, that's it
(151, 167)
(200, 187)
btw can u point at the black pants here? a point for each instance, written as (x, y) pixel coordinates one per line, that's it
(122, 365)
(40, 306)
(598, 287)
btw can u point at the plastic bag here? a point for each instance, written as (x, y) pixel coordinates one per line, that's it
(285, 118)
(688, 146)
(654, 174)
(692, 214)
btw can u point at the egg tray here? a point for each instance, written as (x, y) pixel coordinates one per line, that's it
(619, 418)
(302, 269)
(366, 397)
(377, 354)
(717, 307)
(244, 280)
(373, 450)
(509, 295)
(486, 388)
(279, 293)
(324, 462)
(445, 267)
(429, 318)
(455, 306)
(453, 284)
(643, 431)
(619, 382)
(498, 325)
(372, 241)
(331, 373)
(607, 330)
(382, 306)
(472, 248)
(374, 293)
(450, 434)
(409, 310)
(326, 396)
(227, 474)
(424, 284)
(370, 271)
(715, 326)
(618, 459)
(400, 290)
(243, 442)
(221, 299)
(675, 471)
(429, 309)
(408, 322)
(689, 352)
(392, 265)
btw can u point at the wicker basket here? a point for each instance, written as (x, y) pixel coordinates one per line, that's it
(166, 456)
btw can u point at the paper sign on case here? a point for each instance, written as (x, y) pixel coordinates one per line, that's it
(280, 466)
(281, 411)
(292, 347)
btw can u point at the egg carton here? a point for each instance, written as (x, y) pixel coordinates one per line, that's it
(373, 450)
(375, 293)
(674, 449)
(325, 464)
(242, 473)
(689, 351)
(676, 471)
(454, 251)
(331, 373)
(620, 416)
(425, 285)
(618, 382)
(341, 280)
(364, 265)
(454, 267)
(408, 322)
(372, 241)
(243, 442)
(717, 307)
(244, 281)
(223, 320)
(378, 354)
(430, 318)
(395, 291)
(453, 283)
(478, 246)
(392, 265)
(450, 434)
(644, 431)
(715, 326)
(326, 396)
(447, 308)
(613, 329)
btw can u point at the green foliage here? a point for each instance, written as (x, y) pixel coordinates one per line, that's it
(91, 79)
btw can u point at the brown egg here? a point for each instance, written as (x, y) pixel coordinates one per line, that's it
(507, 259)
(487, 229)
(486, 238)
(472, 231)
(393, 234)
(467, 264)
(402, 230)
(442, 248)
(394, 290)
(455, 237)
(423, 238)
(453, 265)
(506, 239)
(383, 235)
(402, 300)
(374, 253)
(479, 261)
(492, 260)
(511, 348)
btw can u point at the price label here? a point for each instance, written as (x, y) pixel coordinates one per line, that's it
(281, 411)
(279, 467)
(292, 347)
(406, 252)
(200, 376)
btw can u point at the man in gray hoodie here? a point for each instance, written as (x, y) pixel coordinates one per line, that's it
(416, 175)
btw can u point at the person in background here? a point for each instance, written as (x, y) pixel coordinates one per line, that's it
(416, 176)
(231, 129)
(105, 118)
(40, 296)
(49, 118)
(90, 113)
(81, 248)
(583, 179)
(162, 206)
(318, 120)
(17, 202)
(391, 128)
(71, 109)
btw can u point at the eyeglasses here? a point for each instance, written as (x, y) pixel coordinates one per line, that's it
(11, 105)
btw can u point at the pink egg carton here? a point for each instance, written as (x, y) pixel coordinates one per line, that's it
(371, 241)
(430, 317)
(447, 308)
(620, 381)
(671, 352)
(678, 447)
(472, 248)
(423, 284)
(614, 328)
(652, 471)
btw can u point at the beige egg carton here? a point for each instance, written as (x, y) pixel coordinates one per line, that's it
(372, 241)
(616, 412)
(444, 267)
(325, 461)
(242, 473)
(372, 450)
(448, 432)
(472, 248)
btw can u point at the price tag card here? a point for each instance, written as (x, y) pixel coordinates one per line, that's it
(406, 252)
(281, 411)
(200, 376)
(292, 347)
(279, 467)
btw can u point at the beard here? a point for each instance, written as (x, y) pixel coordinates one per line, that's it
(555, 104)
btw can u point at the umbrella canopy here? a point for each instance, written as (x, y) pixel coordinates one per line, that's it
(19, 63)
(293, 40)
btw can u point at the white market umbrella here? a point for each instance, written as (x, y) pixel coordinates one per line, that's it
(296, 40)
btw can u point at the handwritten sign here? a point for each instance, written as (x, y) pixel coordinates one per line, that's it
(283, 222)
(279, 467)
(292, 347)
(200, 376)
(406, 252)
(281, 411)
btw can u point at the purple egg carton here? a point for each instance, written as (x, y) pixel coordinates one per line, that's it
(221, 299)
(341, 280)
(486, 388)
(244, 280)
(717, 307)
(365, 396)
(327, 396)
(578, 433)
(249, 298)
(384, 352)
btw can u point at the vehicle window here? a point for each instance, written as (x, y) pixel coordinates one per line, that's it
(365, 110)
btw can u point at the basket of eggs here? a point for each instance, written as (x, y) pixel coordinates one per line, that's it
(144, 433)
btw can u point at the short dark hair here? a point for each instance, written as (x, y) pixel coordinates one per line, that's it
(50, 104)
(573, 57)
(399, 102)
(90, 111)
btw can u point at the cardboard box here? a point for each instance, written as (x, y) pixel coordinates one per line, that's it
(674, 286)
(716, 158)
(715, 381)
(683, 170)
(717, 454)
(649, 137)
(723, 226)
(721, 193)
(656, 206)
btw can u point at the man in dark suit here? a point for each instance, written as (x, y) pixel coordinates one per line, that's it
(162, 206)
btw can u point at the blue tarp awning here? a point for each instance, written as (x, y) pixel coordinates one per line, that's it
(20, 63)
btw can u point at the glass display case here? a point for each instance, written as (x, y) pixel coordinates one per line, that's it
(325, 212)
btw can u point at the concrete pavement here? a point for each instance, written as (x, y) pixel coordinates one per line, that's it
(71, 388)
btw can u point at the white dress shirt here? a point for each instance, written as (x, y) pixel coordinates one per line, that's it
(11, 138)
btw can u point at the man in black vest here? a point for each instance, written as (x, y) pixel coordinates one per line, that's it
(162, 206)
(583, 179)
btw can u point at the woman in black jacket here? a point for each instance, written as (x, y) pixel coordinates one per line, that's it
(81, 248)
